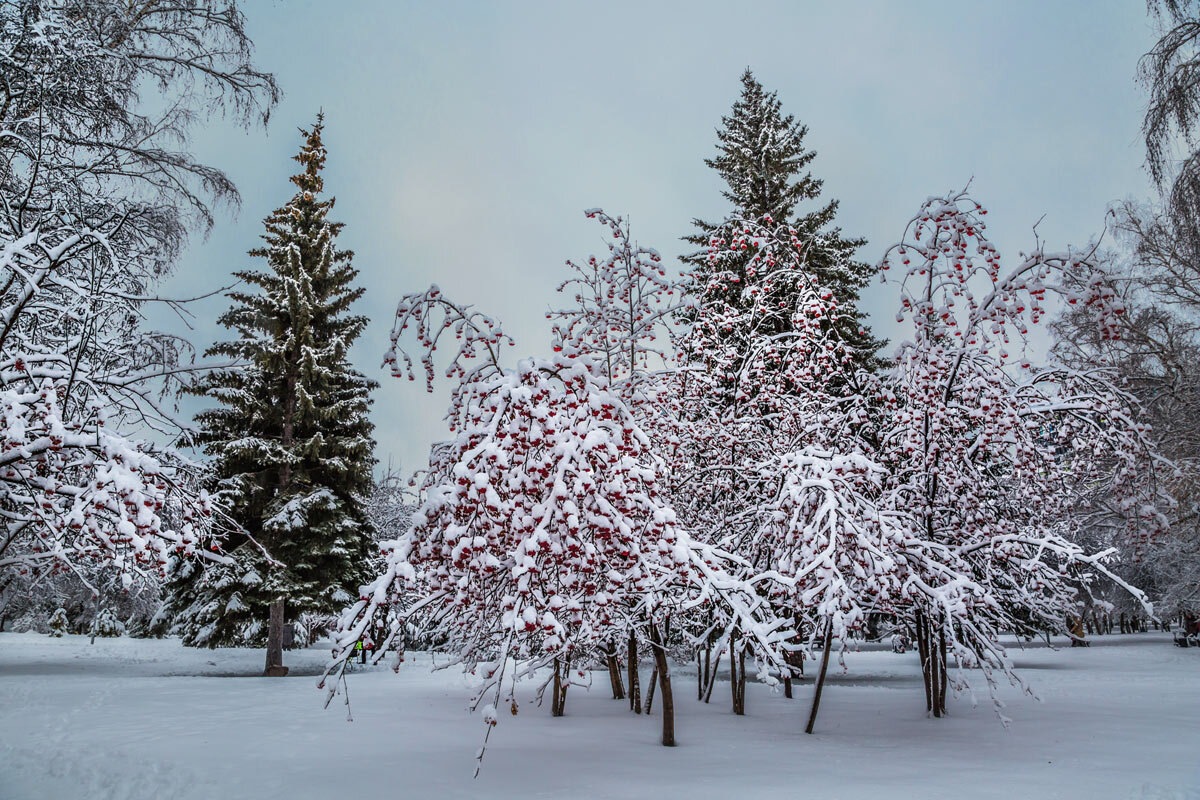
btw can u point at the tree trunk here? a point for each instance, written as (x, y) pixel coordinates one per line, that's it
(737, 661)
(635, 691)
(791, 658)
(935, 678)
(712, 678)
(650, 691)
(933, 666)
(733, 669)
(558, 703)
(923, 654)
(741, 709)
(942, 666)
(614, 673)
(798, 654)
(555, 689)
(664, 681)
(812, 717)
(95, 618)
(275, 667)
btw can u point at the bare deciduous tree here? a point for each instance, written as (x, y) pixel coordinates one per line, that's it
(97, 194)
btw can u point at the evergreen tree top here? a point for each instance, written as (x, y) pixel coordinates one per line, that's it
(312, 158)
(762, 154)
(763, 160)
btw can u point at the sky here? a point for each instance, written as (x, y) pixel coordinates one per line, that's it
(465, 139)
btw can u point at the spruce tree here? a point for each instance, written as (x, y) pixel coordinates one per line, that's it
(290, 438)
(760, 277)
(763, 161)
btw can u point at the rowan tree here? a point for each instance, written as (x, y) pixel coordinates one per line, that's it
(991, 454)
(543, 533)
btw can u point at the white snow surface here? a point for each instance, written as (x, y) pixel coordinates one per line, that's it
(130, 719)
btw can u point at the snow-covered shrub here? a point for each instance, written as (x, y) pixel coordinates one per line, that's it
(59, 622)
(107, 625)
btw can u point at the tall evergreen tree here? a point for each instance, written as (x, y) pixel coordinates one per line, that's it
(762, 159)
(775, 288)
(290, 437)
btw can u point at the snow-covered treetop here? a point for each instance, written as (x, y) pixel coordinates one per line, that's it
(622, 304)
(761, 155)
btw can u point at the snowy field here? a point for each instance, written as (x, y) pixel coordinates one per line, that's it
(133, 719)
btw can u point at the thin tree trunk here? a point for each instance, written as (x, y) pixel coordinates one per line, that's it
(614, 673)
(554, 691)
(741, 687)
(923, 654)
(275, 667)
(635, 691)
(790, 658)
(558, 703)
(650, 691)
(799, 654)
(934, 673)
(712, 677)
(812, 717)
(942, 666)
(95, 619)
(735, 675)
(664, 680)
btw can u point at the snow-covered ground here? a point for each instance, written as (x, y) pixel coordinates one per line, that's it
(133, 719)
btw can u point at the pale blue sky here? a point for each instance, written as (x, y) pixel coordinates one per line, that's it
(466, 138)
